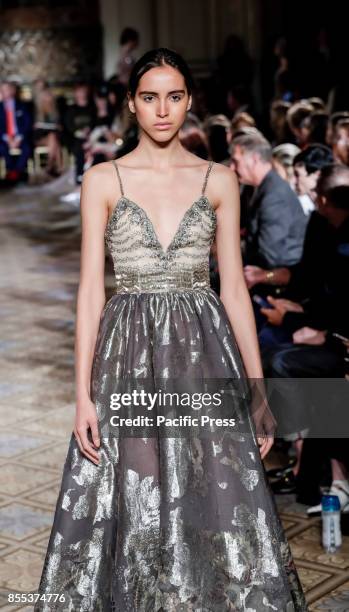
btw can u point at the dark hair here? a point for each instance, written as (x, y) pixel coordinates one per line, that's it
(317, 123)
(333, 184)
(253, 142)
(128, 35)
(155, 58)
(297, 113)
(314, 157)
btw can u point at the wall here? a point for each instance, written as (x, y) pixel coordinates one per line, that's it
(195, 28)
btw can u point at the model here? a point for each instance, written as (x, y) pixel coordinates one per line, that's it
(165, 523)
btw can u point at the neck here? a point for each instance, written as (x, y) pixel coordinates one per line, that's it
(161, 155)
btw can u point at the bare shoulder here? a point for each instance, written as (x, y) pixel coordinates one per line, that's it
(102, 180)
(223, 185)
(102, 171)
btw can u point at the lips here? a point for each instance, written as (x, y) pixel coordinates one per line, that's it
(162, 126)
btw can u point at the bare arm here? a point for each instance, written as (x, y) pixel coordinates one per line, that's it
(234, 293)
(90, 303)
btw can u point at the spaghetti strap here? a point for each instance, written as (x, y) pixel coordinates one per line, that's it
(206, 177)
(119, 177)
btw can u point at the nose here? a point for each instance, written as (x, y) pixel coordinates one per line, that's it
(162, 109)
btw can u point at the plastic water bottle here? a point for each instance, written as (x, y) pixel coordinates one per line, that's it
(331, 523)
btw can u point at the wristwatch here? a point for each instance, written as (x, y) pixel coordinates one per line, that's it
(270, 275)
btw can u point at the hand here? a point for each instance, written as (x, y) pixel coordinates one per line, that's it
(265, 445)
(281, 306)
(286, 305)
(308, 335)
(274, 316)
(253, 275)
(86, 418)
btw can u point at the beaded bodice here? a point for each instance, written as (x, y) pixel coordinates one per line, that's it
(142, 264)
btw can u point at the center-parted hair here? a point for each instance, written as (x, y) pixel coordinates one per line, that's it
(155, 58)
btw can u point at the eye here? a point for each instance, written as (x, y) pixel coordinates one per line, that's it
(176, 97)
(147, 98)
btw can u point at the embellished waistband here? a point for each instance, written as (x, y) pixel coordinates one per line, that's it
(162, 281)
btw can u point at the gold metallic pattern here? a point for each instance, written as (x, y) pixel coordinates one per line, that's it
(167, 524)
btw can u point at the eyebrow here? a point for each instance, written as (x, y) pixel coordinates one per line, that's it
(154, 93)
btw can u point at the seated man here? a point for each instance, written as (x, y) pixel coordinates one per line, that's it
(15, 131)
(276, 222)
(318, 330)
(298, 280)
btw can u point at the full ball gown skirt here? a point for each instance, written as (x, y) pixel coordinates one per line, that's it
(169, 523)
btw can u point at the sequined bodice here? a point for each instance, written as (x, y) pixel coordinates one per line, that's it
(142, 264)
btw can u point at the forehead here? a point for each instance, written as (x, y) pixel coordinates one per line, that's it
(300, 170)
(343, 131)
(162, 78)
(239, 151)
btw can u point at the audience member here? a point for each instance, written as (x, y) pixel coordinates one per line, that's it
(276, 220)
(282, 160)
(241, 120)
(47, 127)
(278, 122)
(340, 141)
(78, 121)
(298, 121)
(297, 281)
(307, 166)
(218, 133)
(16, 126)
(315, 349)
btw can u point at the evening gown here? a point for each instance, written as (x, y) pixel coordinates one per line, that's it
(186, 524)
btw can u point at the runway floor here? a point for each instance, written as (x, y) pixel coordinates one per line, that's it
(39, 267)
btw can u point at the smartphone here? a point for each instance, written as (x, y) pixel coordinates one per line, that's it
(262, 302)
(340, 337)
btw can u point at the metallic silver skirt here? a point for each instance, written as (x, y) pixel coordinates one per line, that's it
(168, 523)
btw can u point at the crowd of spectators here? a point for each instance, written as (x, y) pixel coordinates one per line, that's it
(294, 177)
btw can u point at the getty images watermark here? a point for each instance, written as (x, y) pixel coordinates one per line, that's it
(280, 407)
(168, 400)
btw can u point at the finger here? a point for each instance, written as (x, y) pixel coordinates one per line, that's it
(265, 445)
(82, 450)
(265, 311)
(271, 299)
(268, 445)
(87, 446)
(95, 433)
(77, 438)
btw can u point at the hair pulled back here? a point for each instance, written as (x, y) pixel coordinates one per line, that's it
(154, 58)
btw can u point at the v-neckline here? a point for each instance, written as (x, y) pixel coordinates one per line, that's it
(164, 252)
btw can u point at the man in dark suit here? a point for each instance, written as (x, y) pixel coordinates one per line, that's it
(15, 131)
(276, 224)
(276, 221)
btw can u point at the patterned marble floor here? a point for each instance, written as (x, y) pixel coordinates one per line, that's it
(39, 237)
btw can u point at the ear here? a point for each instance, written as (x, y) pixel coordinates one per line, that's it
(189, 103)
(130, 103)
